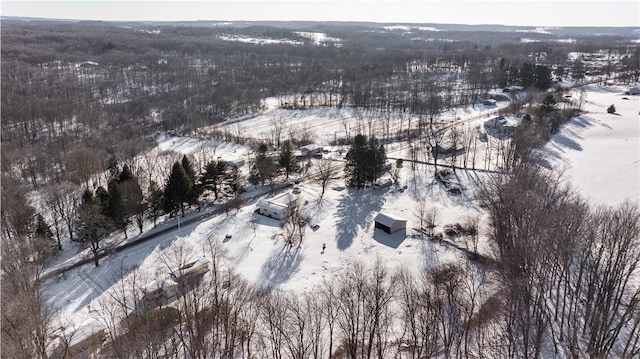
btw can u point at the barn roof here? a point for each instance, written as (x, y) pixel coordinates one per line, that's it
(388, 219)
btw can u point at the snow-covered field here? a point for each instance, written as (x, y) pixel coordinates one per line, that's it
(328, 124)
(598, 150)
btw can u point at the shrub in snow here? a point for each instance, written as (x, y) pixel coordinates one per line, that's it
(611, 109)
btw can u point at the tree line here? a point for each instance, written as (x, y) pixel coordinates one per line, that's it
(97, 95)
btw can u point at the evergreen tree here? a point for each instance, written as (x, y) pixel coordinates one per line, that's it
(43, 231)
(355, 167)
(364, 161)
(378, 160)
(526, 75)
(262, 149)
(177, 190)
(188, 168)
(133, 200)
(213, 176)
(287, 160)
(155, 201)
(235, 182)
(87, 195)
(264, 169)
(116, 207)
(92, 227)
(102, 196)
(542, 77)
(548, 105)
(196, 188)
(125, 174)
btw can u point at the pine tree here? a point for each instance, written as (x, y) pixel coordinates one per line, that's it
(116, 207)
(235, 182)
(178, 189)
(156, 198)
(213, 176)
(542, 77)
(355, 167)
(102, 195)
(526, 75)
(43, 231)
(196, 188)
(365, 161)
(92, 225)
(125, 174)
(287, 160)
(133, 200)
(548, 105)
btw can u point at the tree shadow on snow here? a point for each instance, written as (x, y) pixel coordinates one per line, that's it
(420, 185)
(430, 253)
(565, 141)
(279, 267)
(92, 282)
(354, 211)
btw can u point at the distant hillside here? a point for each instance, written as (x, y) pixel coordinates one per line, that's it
(629, 32)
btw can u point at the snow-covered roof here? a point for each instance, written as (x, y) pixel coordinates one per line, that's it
(388, 219)
(160, 284)
(271, 206)
(284, 199)
(279, 202)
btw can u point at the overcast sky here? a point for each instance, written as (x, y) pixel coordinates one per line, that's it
(506, 12)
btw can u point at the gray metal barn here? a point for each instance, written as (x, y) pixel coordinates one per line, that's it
(390, 223)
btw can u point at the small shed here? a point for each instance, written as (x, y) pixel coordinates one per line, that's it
(390, 223)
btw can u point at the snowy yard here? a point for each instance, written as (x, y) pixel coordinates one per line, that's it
(599, 152)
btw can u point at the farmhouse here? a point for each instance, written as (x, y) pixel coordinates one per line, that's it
(308, 151)
(278, 207)
(390, 223)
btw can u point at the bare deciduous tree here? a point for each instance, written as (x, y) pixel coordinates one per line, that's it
(326, 173)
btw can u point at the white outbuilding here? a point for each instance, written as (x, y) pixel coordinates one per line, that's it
(390, 223)
(278, 207)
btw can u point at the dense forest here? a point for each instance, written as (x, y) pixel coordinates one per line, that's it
(98, 90)
(80, 100)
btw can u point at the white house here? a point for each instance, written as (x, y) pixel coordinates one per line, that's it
(189, 275)
(390, 223)
(309, 151)
(159, 292)
(278, 207)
